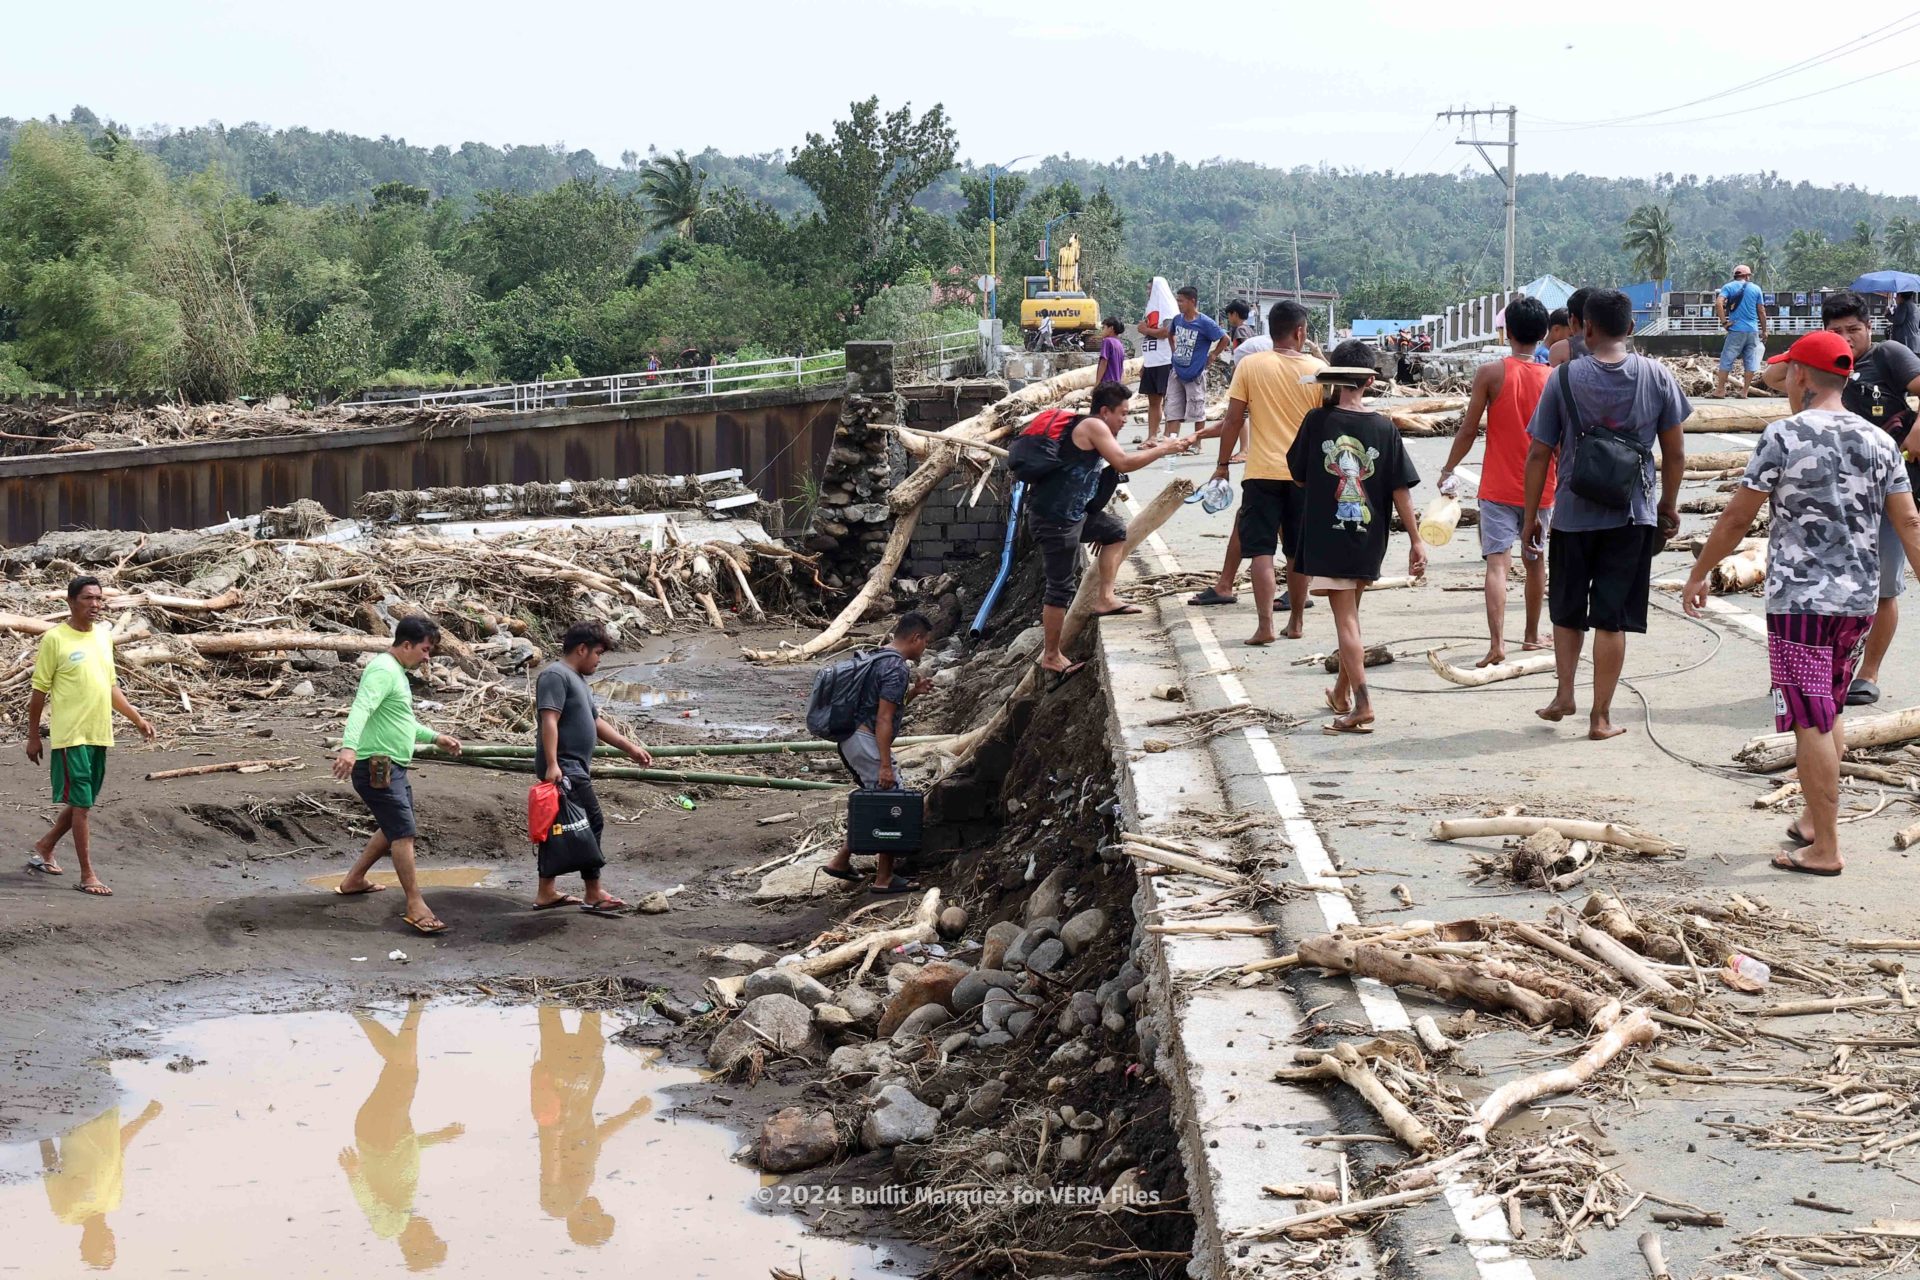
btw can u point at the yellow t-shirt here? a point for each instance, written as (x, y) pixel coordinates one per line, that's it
(75, 670)
(92, 1170)
(1269, 382)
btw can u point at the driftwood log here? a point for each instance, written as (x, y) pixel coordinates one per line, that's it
(909, 496)
(865, 948)
(230, 766)
(1741, 571)
(1346, 1065)
(1472, 677)
(1572, 828)
(1736, 416)
(1635, 1029)
(1453, 979)
(1774, 751)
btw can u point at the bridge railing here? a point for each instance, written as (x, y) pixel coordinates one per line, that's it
(648, 385)
(942, 355)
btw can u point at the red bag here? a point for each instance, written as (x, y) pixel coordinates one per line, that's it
(543, 806)
(1035, 452)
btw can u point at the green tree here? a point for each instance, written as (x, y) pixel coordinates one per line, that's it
(1863, 236)
(1650, 239)
(866, 178)
(1903, 242)
(676, 194)
(1753, 252)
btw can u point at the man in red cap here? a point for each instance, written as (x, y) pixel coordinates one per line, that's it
(1832, 476)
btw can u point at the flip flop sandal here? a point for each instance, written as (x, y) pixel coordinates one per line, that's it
(1210, 596)
(1350, 729)
(1862, 693)
(568, 900)
(421, 926)
(39, 864)
(1335, 707)
(847, 877)
(896, 887)
(1124, 611)
(1787, 862)
(1061, 677)
(1793, 834)
(358, 893)
(605, 907)
(94, 890)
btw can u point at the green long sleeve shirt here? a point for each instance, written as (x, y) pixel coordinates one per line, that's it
(381, 721)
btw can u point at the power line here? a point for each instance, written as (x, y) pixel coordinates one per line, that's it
(1791, 69)
(1780, 102)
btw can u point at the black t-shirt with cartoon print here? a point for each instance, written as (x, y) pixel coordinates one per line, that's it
(1349, 463)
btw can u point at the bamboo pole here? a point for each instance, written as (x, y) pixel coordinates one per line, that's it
(521, 751)
(230, 766)
(511, 764)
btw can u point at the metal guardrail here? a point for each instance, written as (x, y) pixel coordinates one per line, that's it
(646, 386)
(942, 354)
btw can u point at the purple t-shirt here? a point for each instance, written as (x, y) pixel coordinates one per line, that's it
(1113, 360)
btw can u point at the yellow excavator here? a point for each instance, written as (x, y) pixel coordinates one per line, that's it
(1056, 311)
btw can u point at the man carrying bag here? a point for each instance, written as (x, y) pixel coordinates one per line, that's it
(857, 703)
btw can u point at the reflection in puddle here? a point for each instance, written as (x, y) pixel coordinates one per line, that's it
(632, 693)
(430, 878)
(235, 1168)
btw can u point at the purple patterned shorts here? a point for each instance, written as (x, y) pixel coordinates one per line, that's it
(1811, 657)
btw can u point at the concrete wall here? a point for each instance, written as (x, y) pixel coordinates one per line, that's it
(950, 533)
(774, 437)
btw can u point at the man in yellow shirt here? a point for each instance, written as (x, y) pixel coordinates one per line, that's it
(74, 670)
(1267, 394)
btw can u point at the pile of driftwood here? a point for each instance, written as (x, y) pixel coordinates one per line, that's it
(1695, 374)
(218, 616)
(32, 427)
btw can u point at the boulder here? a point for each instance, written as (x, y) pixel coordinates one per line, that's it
(792, 1139)
(1018, 1021)
(779, 1024)
(897, 1116)
(742, 953)
(992, 1040)
(654, 904)
(931, 984)
(1074, 1053)
(993, 952)
(832, 1019)
(997, 1007)
(955, 1043)
(785, 981)
(795, 880)
(1085, 1009)
(1048, 897)
(1072, 1149)
(1081, 931)
(1024, 646)
(921, 1022)
(983, 1104)
(1046, 957)
(952, 922)
(1030, 937)
(861, 1003)
(971, 991)
(854, 1061)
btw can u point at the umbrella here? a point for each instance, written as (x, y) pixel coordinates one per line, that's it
(1887, 282)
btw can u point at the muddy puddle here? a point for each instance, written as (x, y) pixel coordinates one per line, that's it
(470, 1141)
(429, 878)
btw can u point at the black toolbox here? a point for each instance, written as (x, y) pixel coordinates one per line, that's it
(884, 821)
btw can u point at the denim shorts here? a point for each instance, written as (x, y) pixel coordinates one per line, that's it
(1742, 348)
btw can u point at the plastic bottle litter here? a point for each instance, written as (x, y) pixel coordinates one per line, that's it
(1437, 522)
(1750, 969)
(683, 802)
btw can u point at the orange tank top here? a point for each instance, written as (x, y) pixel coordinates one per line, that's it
(1503, 469)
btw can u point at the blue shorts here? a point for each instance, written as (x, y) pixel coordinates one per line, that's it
(1742, 348)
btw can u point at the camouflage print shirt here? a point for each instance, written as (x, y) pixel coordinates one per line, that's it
(1829, 474)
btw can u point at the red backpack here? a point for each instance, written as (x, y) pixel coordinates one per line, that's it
(1035, 452)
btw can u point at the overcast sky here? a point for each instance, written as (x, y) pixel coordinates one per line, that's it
(1348, 85)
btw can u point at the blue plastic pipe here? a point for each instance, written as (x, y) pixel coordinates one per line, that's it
(979, 627)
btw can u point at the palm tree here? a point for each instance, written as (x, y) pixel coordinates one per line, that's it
(1863, 234)
(1804, 241)
(1903, 241)
(1650, 239)
(676, 192)
(1753, 251)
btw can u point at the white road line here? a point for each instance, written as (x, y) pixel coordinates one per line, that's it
(1738, 616)
(1481, 1218)
(1745, 442)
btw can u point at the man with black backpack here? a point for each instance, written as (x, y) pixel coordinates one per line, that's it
(1602, 413)
(1058, 455)
(857, 702)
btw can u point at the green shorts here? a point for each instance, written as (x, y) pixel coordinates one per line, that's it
(78, 775)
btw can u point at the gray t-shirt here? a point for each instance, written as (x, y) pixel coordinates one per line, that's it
(1829, 473)
(560, 688)
(888, 677)
(1637, 397)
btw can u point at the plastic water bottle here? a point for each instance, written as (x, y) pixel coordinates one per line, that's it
(685, 803)
(1749, 968)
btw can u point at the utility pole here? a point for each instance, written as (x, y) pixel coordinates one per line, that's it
(1507, 178)
(1296, 264)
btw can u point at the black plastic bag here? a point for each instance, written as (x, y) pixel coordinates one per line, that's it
(570, 847)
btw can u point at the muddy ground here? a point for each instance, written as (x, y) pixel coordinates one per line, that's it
(211, 913)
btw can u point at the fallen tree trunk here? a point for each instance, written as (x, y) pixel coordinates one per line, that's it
(1280, 1226)
(1473, 677)
(1774, 751)
(1635, 1029)
(1376, 655)
(864, 948)
(1079, 613)
(1741, 571)
(1572, 828)
(1732, 460)
(1738, 416)
(1453, 979)
(907, 498)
